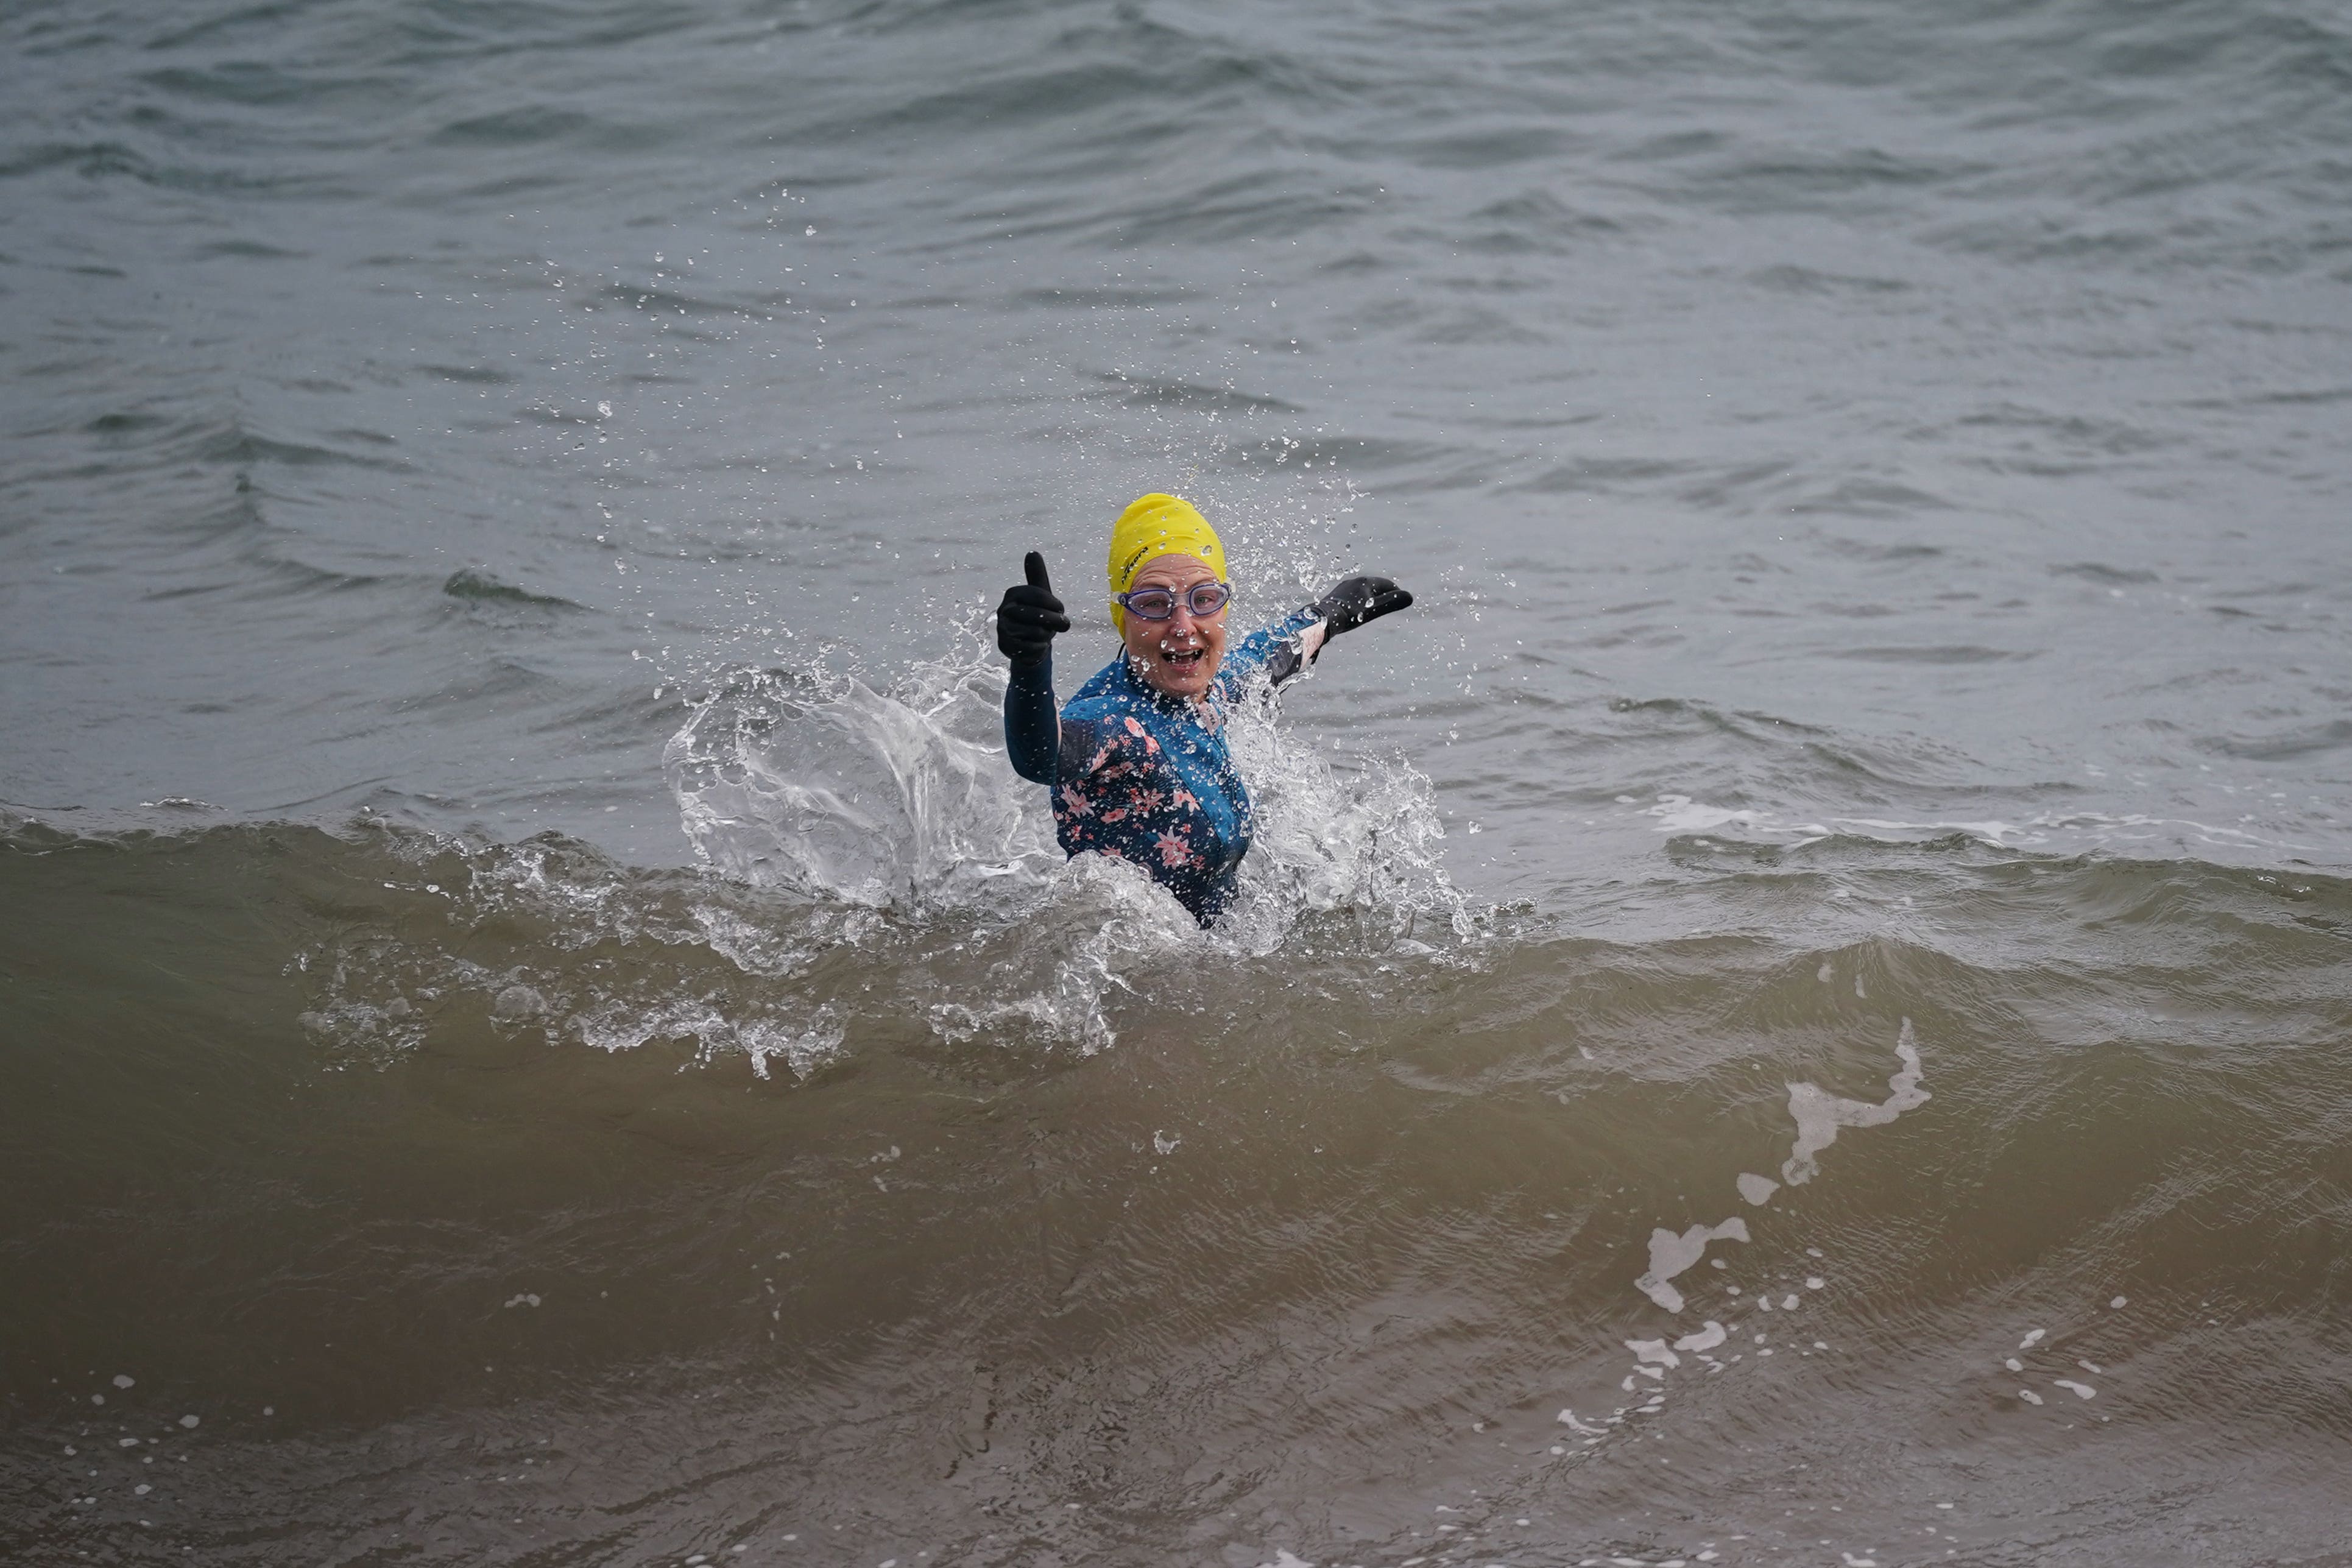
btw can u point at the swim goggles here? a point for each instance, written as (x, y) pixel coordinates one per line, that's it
(1204, 599)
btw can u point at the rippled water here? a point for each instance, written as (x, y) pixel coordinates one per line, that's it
(1792, 1010)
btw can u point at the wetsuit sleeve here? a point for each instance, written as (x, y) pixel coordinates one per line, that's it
(1280, 651)
(1033, 728)
(1045, 747)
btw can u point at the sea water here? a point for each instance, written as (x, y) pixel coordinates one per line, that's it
(1792, 1009)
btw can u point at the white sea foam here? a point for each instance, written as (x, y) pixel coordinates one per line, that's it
(1680, 814)
(1818, 1113)
(1758, 1190)
(801, 1046)
(1706, 1339)
(1671, 1254)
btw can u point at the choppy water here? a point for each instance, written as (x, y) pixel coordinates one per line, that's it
(1795, 1009)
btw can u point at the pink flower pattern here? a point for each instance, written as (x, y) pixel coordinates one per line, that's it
(1150, 781)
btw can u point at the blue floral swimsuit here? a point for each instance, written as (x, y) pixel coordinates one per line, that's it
(1144, 777)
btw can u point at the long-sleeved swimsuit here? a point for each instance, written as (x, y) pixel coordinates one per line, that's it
(1145, 777)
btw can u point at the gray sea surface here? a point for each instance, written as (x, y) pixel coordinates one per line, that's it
(1794, 1008)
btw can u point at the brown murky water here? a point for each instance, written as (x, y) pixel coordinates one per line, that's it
(1342, 1252)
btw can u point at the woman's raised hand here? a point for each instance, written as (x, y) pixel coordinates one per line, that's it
(1029, 616)
(1352, 601)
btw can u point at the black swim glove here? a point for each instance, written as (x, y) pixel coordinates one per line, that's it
(1028, 617)
(1352, 601)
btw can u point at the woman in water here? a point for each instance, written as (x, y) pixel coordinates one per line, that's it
(1137, 762)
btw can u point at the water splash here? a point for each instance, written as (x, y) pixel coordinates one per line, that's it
(835, 816)
(901, 798)
(837, 792)
(1368, 841)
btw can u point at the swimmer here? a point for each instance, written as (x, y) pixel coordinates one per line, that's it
(1137, 763)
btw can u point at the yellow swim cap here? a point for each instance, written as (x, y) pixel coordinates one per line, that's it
(1153, 526)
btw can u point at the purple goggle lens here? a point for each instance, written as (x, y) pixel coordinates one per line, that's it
(1204, 599)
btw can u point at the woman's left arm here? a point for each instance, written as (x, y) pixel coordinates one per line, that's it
(1293, 643)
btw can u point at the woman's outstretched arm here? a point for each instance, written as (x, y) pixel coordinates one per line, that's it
(1291, 644)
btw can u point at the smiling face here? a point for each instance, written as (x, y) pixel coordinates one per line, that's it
(1177, 656)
